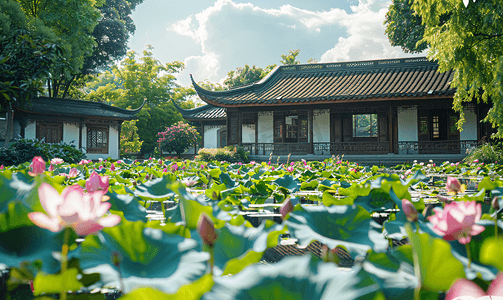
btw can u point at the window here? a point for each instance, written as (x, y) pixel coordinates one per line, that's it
(97, 139)
(365, 125)
(49, 132)
(436, 127)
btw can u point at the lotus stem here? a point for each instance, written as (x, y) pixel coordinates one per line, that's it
(468, 254)
(64, 260)
(212, 258)
(496, 226)
(417, 272)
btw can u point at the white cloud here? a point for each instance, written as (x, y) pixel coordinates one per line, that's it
(232, 34)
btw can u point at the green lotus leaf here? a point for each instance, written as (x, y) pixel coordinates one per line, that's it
(19, 187)
(351, 227)
(329, 200)
(47, 283)
(227, 180)
(393, 271)
(295, 278)
(491, 252)
(30, 243)
(309, 185)
(129, 205)
(438, 267)
(149, 256)
(155, 188)
(192, 291)
(289, 182)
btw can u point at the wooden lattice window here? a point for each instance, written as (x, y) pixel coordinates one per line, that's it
(51, 133)
(97, 139)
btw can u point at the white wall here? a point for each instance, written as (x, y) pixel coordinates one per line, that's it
(265, 127)
(211, 136)
(30, 131)
(407, 124)
(321, 125)
(71, 133)
(248, 133)
(469, 127)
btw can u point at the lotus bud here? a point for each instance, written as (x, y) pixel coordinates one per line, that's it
(112, 167)
(73, 173)
(116, 258)
(51, 168)
(409, 210)
(495, 204)
(453, 185)
(443, 199)
(37, 165)
(206, 230)
(286, 208)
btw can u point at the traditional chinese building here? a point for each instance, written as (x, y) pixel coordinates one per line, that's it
(93, 126)
(400, 107)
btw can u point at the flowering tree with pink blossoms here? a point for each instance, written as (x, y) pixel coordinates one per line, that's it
(178, 138)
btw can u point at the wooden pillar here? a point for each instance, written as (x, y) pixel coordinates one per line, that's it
(81, 125)
(119, 129)
(240, 128)
(390, 127)
(311, 131)
(256, 134)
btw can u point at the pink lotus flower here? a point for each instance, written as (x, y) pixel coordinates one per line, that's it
(253, 162)
(464, 287)
(453, 186)
(73, 208)
(112, 167)
(51, 168)
(206, 230)
(292, 163)
(119, 162)
(290, 169)
(100, 159)
(202, 166)
(95, 182)
(476, 161)
(165, 170)
(409, 210)
(457, 221)
(57, 161)
(73, 173)
(174, 167)
(84, 162)
(2, 167)
(286, 208)
(37, 166)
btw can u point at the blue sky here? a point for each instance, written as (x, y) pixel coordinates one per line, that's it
(215, 37)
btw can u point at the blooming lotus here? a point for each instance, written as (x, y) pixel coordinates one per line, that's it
(453, 186)
(457, 221)
(96, 182)
(84, 212)
(112, 167)
(290, 169)
(37, 166)
(57, 161)
(466, 288)
(84, 162)
(51, 168)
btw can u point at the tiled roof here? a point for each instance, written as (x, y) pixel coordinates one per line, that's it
(78, 108)
(392, 79)
(205, 112)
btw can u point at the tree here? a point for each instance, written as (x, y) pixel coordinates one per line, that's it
(130, 140)
(178, 138)
(136, 80)
(246, 75)
(111, 34)
(404, 27)
(290, 58)
(469, 41)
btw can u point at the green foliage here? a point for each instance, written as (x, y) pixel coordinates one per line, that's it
(404, 28)
(25, 63)
(24, 150)
(290, 58)
(470, 43)
(246, 75)
(486, 153)
(178, 138)
(229, 153)
(130, 140)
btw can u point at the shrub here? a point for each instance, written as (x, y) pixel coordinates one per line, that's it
(486, 153)
(178, 138)
(229, 153)
(23, 150)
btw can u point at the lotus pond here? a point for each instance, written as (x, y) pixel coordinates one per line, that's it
(172, 229)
